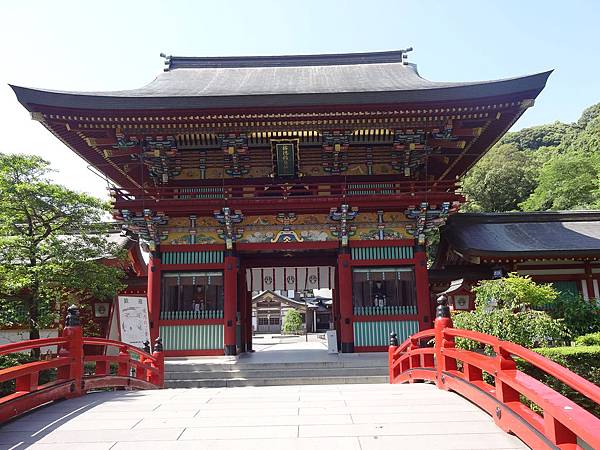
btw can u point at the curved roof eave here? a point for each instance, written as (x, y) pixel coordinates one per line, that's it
(30, 97)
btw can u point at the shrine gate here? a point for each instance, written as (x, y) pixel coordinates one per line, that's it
(285, 172)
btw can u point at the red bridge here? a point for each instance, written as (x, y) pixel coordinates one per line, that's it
(490, 381)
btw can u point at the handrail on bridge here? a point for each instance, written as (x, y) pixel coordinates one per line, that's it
(77, 370)
(562, 423)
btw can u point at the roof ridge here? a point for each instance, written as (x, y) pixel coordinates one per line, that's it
(324, 59)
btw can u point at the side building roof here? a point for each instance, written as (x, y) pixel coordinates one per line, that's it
(271, 81)
(513, 235)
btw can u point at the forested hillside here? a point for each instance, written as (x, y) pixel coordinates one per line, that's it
(548, 167)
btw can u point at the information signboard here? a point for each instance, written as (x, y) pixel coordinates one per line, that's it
(134, 324)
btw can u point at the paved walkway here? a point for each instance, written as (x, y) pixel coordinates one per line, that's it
(335, 417)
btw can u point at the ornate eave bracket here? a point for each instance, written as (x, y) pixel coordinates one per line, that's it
(158, 152)
(427, 218)
(335, 151)
(235, 149)
(147, 225)
(229, 220)
(343, 215)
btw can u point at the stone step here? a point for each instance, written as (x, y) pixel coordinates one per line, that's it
(287, 381)
(261, 372)
(216, 367)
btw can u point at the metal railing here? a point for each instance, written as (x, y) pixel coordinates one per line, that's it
(77, 370)
(494, 383)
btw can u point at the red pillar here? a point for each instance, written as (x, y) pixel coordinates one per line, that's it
(249, 331)
(344, 289)
(243, 306)
(154, 294)
(230, 304)
(422, 284)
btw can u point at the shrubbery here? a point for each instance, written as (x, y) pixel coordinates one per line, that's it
(504, 308)
(588, 339)
(527, 328)
(580, 316)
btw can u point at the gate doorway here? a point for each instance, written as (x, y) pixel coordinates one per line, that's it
(273, 284)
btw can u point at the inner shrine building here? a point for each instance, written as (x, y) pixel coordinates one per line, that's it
(307, 172)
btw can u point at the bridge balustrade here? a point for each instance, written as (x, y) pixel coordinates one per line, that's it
(79, 368)
(492, 381)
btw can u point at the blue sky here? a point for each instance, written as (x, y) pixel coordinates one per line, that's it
(106, 45)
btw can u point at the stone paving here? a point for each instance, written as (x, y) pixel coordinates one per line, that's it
(338, 417)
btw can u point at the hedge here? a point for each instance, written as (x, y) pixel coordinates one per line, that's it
(584, 361)
(588, 339)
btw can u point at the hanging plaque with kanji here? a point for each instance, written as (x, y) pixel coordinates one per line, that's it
(285, 158)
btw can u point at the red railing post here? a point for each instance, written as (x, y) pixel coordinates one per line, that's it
(442, 321)
(391, 350)
(73, 349)
(159, 358)
(505, 394)
(124, 366)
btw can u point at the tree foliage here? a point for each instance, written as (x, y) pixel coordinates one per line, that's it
(501, 180)
(514, 292)
(548, 167)
(292, 322)
(567, 180)
(505, 308)
(580, 316)
(51, 241)
(549, 135)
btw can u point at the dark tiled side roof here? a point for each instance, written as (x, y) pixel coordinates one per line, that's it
(524, 234)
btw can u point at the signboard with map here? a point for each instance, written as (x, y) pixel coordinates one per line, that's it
(134, 325)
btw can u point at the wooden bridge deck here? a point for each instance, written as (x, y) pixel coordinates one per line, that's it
(338, 417)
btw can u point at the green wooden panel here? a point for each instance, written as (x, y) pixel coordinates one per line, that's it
(191, 315)
(377, 334)
(371, 189)
(566, 288)
(200, 192)
(192, 337)
(208, 257)
(371, 253)
(384, 310)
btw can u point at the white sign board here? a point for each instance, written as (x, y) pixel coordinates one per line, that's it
(331, 336)
(134, 325)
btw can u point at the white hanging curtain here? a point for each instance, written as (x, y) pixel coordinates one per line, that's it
(290, 278)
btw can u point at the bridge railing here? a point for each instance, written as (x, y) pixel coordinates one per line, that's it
(493, 382)
(77, 370)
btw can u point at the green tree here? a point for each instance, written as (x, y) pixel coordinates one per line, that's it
(51, 241)
(501, 180)
(589, 115)
(533, 138)
(548, 167)
(580, 316)
(568, 180)
(505, 308)
(292, 322)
